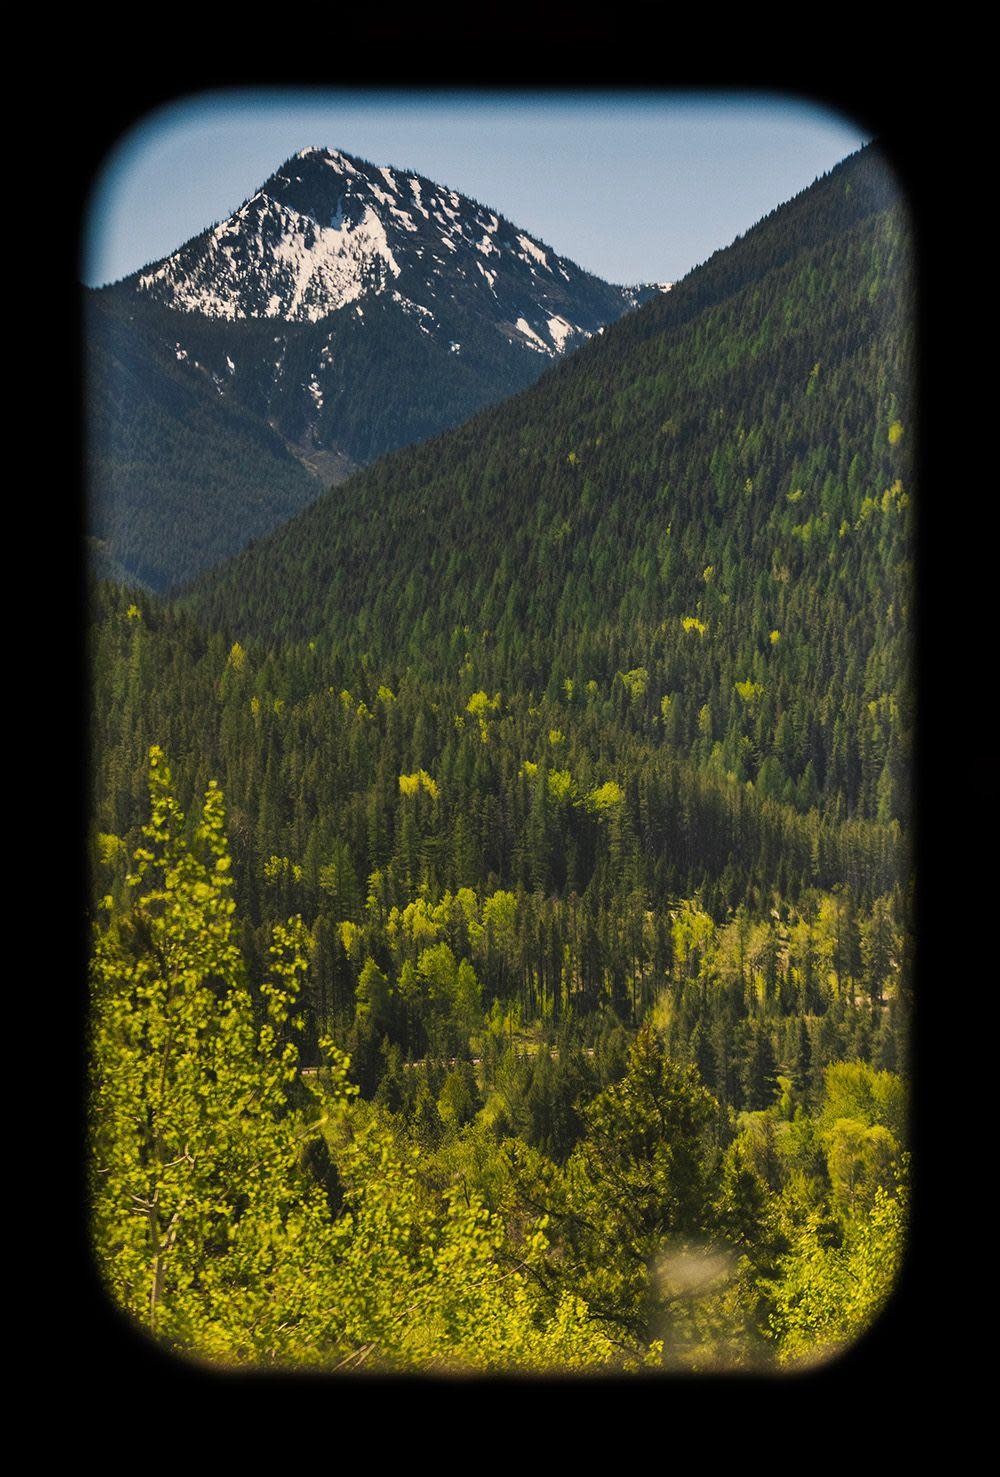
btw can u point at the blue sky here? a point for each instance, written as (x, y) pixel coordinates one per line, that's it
(634, 187)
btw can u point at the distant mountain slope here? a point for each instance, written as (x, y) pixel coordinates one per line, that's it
(714, 496)
(343, 311)
(177, 473)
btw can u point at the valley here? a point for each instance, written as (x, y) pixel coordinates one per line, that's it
(503, 893)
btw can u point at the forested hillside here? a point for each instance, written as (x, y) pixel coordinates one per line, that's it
(714, 497)
(178, 475)
(575, 743)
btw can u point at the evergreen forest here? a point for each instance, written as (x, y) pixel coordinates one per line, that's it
(502, 890)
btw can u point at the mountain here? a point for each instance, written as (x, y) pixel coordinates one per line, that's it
(344, 310)
(694, 533)
(675, 576)
(327, 231)
(702, 516)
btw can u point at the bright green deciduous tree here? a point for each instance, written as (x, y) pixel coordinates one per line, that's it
(204, 1226)
(828, 1296)
(211, 1226)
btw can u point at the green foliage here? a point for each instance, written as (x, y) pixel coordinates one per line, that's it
(749, 692)
(606, 796)
(209, 1227)
(638, 1182)
(635, 682)
(412, 784)
(652, 1027)
(854, 1090)
(828, 1296)
(202, 1224)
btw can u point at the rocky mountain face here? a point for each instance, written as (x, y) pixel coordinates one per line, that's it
(327, 231)
(346, 309)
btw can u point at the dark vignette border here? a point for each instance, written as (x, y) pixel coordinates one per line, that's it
(97, 1343)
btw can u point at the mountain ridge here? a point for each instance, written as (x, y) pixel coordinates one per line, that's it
(345, 310)
(826, 210)
(350, 202)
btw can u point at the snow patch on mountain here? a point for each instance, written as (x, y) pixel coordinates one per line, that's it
(560, 331)
(534, 342)
(415, 187)
(299, 269)
(534, 250)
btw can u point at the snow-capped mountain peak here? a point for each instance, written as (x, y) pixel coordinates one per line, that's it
(351, 308)
(328, 231)
(344, 310)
